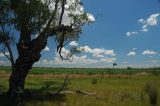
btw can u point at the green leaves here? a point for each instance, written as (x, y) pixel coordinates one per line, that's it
(32, 15)
(61, 19)
(5, 24)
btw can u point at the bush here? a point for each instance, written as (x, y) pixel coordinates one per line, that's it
(155, 72)
(152, 93)
(94, 81)
(90, 73)
(129, 68)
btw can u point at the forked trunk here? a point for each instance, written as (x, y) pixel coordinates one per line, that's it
(17, 78)
(28, 55)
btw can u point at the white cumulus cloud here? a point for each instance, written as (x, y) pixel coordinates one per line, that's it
(155, 61)
(131, 33)
(97, 52)
(90, 17)
(2, 55)
(98, 55)
(108, 60)
(48, 62)
(46, 48)
(89, 56)
(76, 60)
(73, 43)
(134, 48)
(152, 20)
(71, 7)
(131, 54)
(149, 52)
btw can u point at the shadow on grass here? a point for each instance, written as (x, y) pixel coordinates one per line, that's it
(33, 96)
(2, 88)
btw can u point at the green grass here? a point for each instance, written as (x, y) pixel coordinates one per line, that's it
(122, 89)
(89, 71)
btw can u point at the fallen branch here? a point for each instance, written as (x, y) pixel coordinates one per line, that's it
(85, 93)
(65, 83)
(100, 97)
(90, 94)
(62, 92)
(65, 92)
(61, 89)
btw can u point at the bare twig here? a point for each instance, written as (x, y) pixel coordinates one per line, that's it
(61, 89)
(62, 12)
(4, 53)
(10, 56)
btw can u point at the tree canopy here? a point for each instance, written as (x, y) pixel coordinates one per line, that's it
(29, 24)
(59, 19)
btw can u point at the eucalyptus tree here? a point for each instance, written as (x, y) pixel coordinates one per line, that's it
(29, 24)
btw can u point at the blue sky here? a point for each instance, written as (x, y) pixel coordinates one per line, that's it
(125, 31)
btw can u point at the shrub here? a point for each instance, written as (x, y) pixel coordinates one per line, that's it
(155, 72)
(152, 93)
(129, 68)
(90, 73)
(94, 81)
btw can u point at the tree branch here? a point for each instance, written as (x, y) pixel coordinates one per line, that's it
(4, 53)
(6, 40)
(61, 28)
(62, 12)
(14, 4)
(45, 31)
(10, 54)
(65, 83)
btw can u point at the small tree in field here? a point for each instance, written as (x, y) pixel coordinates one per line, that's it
(29, 23)
(114, 64)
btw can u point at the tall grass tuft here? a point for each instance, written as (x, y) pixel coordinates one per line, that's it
(94, 81)
(152, 92)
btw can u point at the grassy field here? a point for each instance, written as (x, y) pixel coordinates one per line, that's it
(112, 87)
(89, 71)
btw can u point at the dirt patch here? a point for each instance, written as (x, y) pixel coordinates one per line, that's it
(46, 76)
(142, 74)
(4, 74)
